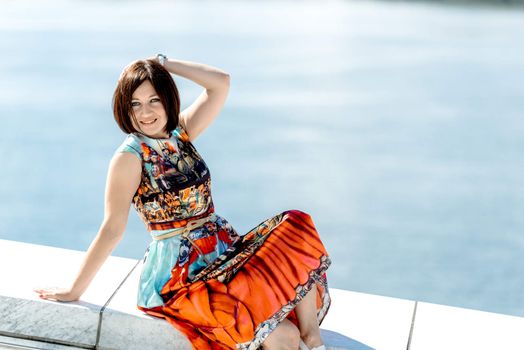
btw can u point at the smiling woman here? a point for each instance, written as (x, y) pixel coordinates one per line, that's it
(146, 100)
(149, 115)
(223, 290)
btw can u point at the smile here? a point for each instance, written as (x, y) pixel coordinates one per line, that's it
(148, 123)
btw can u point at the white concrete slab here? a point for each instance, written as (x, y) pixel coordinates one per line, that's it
(446, 327)
(363, 321)
(126, 327)
(355, 320)
(23, 313)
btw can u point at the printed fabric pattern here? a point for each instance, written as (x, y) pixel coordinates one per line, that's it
(221, 289)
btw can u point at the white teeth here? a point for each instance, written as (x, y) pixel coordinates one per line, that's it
(151, 122)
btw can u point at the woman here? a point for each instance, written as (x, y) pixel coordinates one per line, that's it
(222, 290)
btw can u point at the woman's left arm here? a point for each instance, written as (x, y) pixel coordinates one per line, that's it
(199, 115)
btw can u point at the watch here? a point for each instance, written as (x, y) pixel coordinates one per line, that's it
(161, 58)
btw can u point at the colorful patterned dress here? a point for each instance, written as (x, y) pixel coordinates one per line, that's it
(221, 289)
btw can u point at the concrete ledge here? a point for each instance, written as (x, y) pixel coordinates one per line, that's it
(9, 343)
(123, 323)
(370, 321)
(106, 317)
(24, 314)
(446, 327)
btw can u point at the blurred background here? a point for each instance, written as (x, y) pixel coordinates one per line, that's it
(397, 125)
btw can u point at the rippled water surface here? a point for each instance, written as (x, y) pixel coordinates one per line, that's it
(397, 126)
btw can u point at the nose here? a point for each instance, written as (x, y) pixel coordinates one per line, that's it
(147, 110)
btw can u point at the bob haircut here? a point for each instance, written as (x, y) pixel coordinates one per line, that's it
(133, 75)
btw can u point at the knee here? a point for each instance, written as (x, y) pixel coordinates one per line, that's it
(302, 218)
(299, 214)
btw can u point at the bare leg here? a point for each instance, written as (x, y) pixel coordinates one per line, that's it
(306, 312)
(284, 337)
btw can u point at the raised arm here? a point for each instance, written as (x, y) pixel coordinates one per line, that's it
(199, 115)
(123, 179)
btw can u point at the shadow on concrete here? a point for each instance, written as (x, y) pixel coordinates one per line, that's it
(340, 341)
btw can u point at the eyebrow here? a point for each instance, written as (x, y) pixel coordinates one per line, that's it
(134, 98)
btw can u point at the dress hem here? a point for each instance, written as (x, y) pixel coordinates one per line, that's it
(265, 328)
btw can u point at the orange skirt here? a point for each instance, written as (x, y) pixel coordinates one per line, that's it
(239, 299)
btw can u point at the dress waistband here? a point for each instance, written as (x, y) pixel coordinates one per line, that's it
(156, 226)
(190, 224)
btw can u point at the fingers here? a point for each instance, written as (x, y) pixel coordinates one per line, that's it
(44, 293)
(49, 293)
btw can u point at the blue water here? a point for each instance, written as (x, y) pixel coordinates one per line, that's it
(397, 126)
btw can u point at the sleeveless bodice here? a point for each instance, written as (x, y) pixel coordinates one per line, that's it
(175, 183)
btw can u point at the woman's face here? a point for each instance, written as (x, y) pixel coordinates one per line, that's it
(150, 115)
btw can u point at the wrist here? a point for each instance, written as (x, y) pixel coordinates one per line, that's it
(76, 291)
(161, 58)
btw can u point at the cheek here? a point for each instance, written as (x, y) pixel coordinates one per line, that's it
(133, 122)
(162, 111)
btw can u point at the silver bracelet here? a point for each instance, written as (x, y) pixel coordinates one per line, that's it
(161, 58)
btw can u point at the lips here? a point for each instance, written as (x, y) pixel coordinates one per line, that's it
(148, 122)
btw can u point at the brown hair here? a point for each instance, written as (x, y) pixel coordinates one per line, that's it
(133, 75)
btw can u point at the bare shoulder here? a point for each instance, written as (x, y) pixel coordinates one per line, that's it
(182, 117)
(123, 179)
(126, 163)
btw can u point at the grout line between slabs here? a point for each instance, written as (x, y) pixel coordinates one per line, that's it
(100, 314)
(412, 325)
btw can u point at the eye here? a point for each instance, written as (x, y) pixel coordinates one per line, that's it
(156, 99)
(135, 104)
